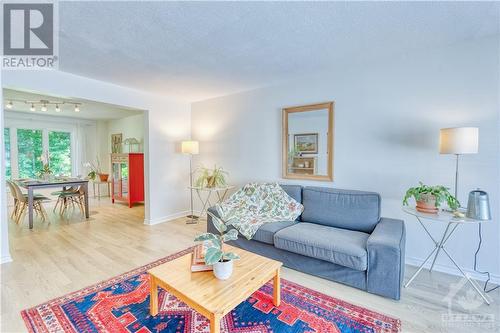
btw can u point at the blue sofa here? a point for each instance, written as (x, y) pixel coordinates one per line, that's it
(340, 236)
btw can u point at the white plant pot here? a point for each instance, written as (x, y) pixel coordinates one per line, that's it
(223, 270)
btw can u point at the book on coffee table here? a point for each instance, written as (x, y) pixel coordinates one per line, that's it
(198, 259)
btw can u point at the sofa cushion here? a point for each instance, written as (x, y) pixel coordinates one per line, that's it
(347, 209)
(265, 234)
(339, 246)
(295, 191)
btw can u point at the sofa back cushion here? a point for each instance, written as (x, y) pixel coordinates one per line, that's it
(347, 209)
(295, 191)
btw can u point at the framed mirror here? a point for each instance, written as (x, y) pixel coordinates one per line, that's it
(307, 151)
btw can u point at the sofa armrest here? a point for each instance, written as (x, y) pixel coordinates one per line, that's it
(386, 258)
(210, 225)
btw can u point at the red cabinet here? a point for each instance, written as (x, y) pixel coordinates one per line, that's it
(128, 177)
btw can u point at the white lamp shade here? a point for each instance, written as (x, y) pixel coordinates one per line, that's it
(459, 140)
(190, 147)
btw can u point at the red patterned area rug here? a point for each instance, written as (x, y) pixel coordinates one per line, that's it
(121, 304)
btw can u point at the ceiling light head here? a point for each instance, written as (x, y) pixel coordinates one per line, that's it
(44, 107)
(77, 108)
(9, 105)
(32, 108)
(58, 109)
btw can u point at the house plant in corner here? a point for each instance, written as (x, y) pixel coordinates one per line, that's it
(430, 198)
(221, 261)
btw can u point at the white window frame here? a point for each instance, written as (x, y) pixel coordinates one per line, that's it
(46, 126)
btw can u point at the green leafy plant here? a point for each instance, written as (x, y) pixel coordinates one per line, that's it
(215, 250)
(95, 168)
(215, 177)
(440, 193)
(45, 170)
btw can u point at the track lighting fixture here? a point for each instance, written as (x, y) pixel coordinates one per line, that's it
(44, 104)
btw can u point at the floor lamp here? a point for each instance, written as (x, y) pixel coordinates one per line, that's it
(191, 148)
(458, 141)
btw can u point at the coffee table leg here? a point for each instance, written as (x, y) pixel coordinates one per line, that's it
(277, 287)
(153, 297)
(215, 323)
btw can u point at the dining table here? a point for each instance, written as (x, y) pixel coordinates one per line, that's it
(35, 184)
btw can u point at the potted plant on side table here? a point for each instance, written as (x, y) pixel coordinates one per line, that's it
(210, 178)
(215, 255)
(430, 198)
(95, 170)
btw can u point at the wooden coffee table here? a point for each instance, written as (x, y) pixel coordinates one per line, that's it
(207, 295)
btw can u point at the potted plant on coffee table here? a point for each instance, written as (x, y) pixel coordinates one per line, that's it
(430, 198)
(215, 255)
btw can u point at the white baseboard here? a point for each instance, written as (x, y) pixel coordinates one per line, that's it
(167, 218)
(5, 259)
(453, 271)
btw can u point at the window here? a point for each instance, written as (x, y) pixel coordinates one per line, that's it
(6, 139)
(29, 148)
(60, 153)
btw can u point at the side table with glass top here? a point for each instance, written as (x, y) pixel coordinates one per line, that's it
(220, 193)
(452, 223)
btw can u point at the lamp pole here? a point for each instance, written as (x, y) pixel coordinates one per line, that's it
(191, 148)
(192, 217)
(456, 175)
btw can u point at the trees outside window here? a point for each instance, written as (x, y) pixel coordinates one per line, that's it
(29, 151)
(60, 153)
(6, 139)
(23, 155)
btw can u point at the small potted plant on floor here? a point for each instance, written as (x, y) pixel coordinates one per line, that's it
(215, 255)
(430, 198)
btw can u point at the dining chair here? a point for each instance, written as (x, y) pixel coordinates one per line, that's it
(72, 197)
(61, 197)
(13, 215)
(21, 203)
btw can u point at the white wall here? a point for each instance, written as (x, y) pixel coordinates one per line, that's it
(4, 240)
(387, 121)
(130, 127)
(166, 122)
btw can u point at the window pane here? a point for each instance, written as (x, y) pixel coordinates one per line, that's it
(6, 138)
(60, 153)
(29, 147)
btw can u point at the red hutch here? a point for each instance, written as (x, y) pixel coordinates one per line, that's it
(128, 177)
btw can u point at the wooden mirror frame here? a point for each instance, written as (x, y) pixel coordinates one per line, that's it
(285, 140)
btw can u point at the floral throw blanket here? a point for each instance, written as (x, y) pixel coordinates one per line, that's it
(256, 204)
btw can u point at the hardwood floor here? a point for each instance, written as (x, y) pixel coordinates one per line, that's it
(68, 254)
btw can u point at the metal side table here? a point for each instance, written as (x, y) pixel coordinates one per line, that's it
(220, 192)
(452, 223)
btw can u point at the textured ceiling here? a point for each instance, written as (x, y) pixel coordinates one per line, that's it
(198, 50)
(88, 109)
